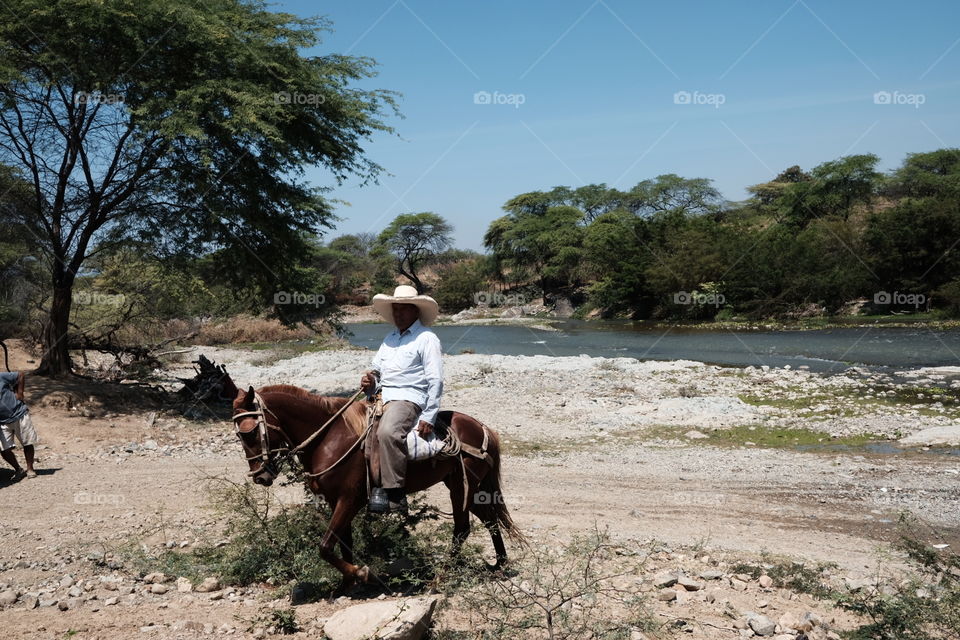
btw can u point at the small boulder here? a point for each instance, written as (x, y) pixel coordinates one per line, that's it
(406, 619)
(8, 597)
(667, 594)
(762, 625)
(158, 588)
(789, 620)
(665, 580)
(689, 583)
(209, 584)
(184, 585)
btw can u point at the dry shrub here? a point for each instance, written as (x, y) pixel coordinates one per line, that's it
(246, 328)
(583, 590)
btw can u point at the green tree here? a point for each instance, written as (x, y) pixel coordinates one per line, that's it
(912, 247)
(927, 175)
(767, 193)
(670, 192)
(183, 124)
(458, 285)
(545, 242)
(837, 187)
(618, 252)
(416, 239)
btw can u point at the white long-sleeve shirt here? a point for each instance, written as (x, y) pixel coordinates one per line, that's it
(411, 368)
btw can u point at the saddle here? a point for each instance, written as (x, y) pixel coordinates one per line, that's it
(452, 445)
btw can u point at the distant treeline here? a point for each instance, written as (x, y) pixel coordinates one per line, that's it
(840, 238)
(804, 243)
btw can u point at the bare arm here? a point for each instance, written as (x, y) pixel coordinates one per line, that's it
(20, 384)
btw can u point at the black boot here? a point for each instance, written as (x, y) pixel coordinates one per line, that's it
(379, 502)
(398, 500)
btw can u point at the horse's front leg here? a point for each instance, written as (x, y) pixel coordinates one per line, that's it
(346, 543)
(339, 530)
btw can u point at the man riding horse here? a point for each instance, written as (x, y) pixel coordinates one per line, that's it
(277, 422)
(408, 373)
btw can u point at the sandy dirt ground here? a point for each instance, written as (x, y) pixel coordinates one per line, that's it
(617, 444)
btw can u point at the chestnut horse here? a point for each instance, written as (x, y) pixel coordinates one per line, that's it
(275, 419)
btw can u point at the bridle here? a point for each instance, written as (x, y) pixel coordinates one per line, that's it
(265, 456)
(260, 411)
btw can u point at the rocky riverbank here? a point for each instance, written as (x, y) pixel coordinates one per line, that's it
(723, 476)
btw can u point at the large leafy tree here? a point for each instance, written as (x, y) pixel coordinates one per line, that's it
(187, 125)
(416, 239)
(837, 187)
(935, 174)
(543, 242)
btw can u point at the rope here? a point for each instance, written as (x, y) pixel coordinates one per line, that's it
(316, 434)
(356, 444)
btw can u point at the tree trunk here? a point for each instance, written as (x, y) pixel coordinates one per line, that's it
(56, 352)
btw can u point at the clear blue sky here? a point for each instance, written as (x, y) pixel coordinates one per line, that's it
(597, 81)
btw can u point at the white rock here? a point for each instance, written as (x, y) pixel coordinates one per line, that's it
(762, 625)
(406, 619)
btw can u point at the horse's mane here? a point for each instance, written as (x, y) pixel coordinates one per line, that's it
(355, 416)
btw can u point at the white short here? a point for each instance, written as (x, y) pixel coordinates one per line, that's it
(22, 429)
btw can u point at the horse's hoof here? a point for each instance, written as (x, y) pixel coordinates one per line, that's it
(363, 574)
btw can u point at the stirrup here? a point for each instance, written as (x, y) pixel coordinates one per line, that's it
(379, 502)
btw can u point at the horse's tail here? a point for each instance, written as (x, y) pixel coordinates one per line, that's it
(491, 484)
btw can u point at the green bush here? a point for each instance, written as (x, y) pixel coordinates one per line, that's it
(923, 606)
(269, 541)
(458, 285)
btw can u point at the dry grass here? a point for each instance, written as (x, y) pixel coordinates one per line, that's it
(245, 328)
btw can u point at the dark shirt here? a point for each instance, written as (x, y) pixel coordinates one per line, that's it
(11, 409)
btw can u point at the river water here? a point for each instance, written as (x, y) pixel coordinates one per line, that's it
(822, 350)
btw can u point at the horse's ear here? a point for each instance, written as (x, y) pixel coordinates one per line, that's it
(248, 400)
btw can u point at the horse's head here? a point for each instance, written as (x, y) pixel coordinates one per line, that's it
(261, 439)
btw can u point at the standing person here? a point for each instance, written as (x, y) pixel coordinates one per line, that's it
(408, 371)
(15, 423)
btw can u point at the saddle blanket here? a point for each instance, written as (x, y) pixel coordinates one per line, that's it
(420, 448)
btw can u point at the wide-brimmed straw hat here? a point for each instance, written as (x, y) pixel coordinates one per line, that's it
(405, 294)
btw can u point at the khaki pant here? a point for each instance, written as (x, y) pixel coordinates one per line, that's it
(399, 417)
